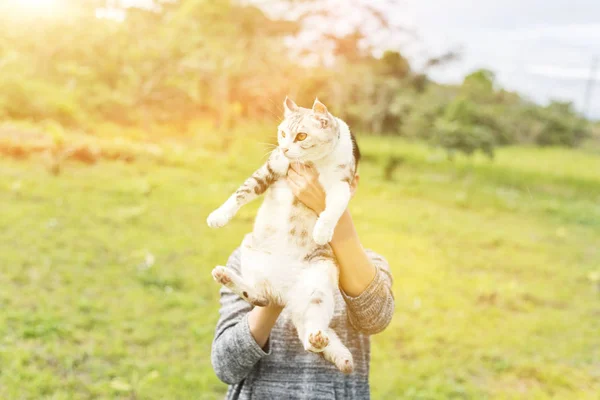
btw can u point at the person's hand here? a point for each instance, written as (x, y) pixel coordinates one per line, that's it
(303, 179)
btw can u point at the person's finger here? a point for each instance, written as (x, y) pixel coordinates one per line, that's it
(295, 176)
(304, 174)
(300, 183)
(296, 166)
(293, 186)
(309, 171)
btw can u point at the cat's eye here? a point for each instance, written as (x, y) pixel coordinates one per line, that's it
(282, 134)
(301, 136)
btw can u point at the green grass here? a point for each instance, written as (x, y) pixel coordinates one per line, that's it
(105, 288)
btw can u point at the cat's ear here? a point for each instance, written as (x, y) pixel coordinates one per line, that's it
(289, 106)
(321, 114)
(319, 108)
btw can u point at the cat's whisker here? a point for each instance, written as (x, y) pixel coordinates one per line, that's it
(276, 118)
(278, 107)
(269, 148)
(268, 153)
(268, 144)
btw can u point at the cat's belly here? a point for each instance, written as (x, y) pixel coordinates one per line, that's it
(272, 258)
(283, 224)
(283, 274)
(273, 273)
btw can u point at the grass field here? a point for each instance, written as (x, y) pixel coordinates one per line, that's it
(105, 287)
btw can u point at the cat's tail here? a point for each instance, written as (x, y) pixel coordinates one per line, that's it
(338, 354)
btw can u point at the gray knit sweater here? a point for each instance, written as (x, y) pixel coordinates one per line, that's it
(283, 369)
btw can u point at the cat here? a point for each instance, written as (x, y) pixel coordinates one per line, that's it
(287, 259)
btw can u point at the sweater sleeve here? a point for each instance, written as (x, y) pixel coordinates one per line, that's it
(372, 310)
(234, 350)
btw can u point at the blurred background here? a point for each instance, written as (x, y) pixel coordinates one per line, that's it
(124, 123)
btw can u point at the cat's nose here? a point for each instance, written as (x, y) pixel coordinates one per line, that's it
(285, 150)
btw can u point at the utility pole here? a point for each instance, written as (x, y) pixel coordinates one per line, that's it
(590, 87)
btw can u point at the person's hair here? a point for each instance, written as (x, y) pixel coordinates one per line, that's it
(355, 150)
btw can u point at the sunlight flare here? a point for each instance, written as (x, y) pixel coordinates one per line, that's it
(38, 6)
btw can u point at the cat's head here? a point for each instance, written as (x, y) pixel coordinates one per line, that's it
(307, 134)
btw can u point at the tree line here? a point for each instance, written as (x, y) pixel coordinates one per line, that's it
(227, 62)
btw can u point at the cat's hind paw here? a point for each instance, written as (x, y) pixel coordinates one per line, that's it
(222, 276)
(316, 341)
(341, 357)
(219, 218)
(323, 232)
(229, 279)
(345, 365)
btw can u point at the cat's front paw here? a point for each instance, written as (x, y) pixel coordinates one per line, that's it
(279, 163)
(323, 232)
(220, 217)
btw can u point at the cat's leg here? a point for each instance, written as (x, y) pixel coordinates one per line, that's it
(313, 320)
(336, 202)
(230, 279)
(275, 167)
(338, 354)
(312, 304)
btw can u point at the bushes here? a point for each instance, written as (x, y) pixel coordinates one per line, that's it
(464, 128)
(456, 137)
(480, 117)
(560, 126)
(30, 99)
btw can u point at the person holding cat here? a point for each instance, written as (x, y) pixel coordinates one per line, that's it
(256, 348)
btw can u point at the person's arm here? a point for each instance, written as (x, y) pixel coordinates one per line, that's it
(365, 278)
(261, 321)
(356, 270)
(242, 333)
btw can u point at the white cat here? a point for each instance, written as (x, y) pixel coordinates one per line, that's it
(287, 259)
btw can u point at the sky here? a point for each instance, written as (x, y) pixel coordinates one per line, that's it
(541, 48)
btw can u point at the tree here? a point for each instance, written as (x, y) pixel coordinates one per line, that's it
(460, 130)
